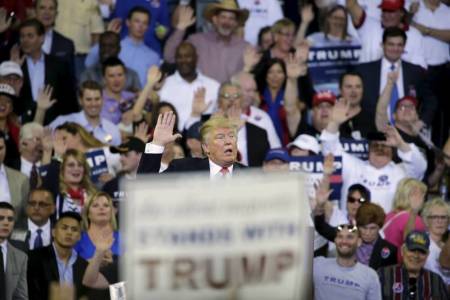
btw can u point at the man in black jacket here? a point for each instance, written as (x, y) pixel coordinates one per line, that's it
(219, 143)
(58, 262)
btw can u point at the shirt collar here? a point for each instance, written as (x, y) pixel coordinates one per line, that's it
(84, 121)
(72, 259)
(385, 64)
(2, 169)
(181, 79)
(132, 42)
(215, 168)
(33, 227)
(4, 246)
(40, 60)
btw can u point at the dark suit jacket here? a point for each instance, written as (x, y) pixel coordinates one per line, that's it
(58, 75)
(64, 49)
(414, 78)
(43, 269)
(257, 144)
(383, 253)
(150, 163)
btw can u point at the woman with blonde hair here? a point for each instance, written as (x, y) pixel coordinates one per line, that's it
(408, 200)
(436, 214)
(75, 185)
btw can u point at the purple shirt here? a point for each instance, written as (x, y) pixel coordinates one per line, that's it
(364, 252)
(112, 109)
(216, 58)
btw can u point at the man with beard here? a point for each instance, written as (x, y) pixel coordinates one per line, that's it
(410, 280)
(343, 277)
(59, 261)
(192, 85)
(220, 51)
(379, 173)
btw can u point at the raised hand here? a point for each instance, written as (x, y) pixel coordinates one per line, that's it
(234, 114)
(44, 100)
(5, 21)
(322, 194)
(392, 77)
(251, 57)
(163, 133)
(59, 143)
(141, 132)
(328, 164)
(307, 13)
(302, 51)
(115, 25)
(293, 67)
(416, 198)
(14, 55)
(199, 105)
(340, 111)
(47, 140)
(414, 7)
(153, 75)
(186, 17)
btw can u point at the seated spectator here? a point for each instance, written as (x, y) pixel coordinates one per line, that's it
(379, 174)
(332, 276)
(189, 82)
(13, 265)
(411, 79)
(34, 231)
(130, 155)
(250, 111)
(40, 70)
(8, 124)
(55, 43)
(222, 41)
(403, 218)
(75, 185)
(91, 102)
(279, 94)
(81, 22)
(370, 31)
(15, 185)
(59, 261)
(261, 13)
(410, 280)
(276, 160)
(109, 46)
(158, 25)
(117, 102)
(265, 38)
(436, 215)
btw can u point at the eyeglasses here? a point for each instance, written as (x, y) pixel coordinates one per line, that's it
(38, 204)
(436, 218)
(349, 227)
(351, 199)
(228, 96)
(9, 219)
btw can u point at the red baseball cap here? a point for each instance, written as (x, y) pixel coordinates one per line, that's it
(392, 5)
(324, 96)
(407, 98)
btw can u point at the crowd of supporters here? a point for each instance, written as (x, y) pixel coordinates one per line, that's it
(95, 92)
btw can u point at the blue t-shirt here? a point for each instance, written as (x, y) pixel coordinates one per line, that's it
(86, 249)
(159, 11)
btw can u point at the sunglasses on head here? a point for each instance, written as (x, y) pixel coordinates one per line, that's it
(353, 199)
(349, 227)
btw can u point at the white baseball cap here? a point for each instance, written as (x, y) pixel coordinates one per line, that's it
(10, 67)
(7, 90)
(306, 142)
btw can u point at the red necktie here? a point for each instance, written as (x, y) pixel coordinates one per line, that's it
(224, 171)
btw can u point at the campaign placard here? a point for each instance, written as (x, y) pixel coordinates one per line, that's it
(191, 238)
(97, 162)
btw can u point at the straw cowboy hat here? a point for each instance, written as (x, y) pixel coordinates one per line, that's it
(228, 5)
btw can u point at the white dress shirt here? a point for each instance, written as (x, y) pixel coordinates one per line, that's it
(5, 253)
(436, 51)
(47, 46)
(26, 166)
(5, 195)
(180, 94)
(46, 236)
(36, 70)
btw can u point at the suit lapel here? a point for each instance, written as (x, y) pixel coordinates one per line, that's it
(11, 270)
(406, 78)
(14, 188)
(377, 77)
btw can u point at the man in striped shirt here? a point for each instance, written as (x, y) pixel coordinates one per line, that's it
(410, 280)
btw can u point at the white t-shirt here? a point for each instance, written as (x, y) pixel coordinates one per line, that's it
(332, 281)
(180, 94)
(436, 51)
(262, 13)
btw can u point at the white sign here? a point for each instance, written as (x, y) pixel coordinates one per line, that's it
(191, 238)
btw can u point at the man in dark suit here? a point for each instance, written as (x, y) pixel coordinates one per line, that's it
(13, 262)
(44, 263)
(55, 43)
(34, 231)
(411, 80)
(219, 143)
(39, 70)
